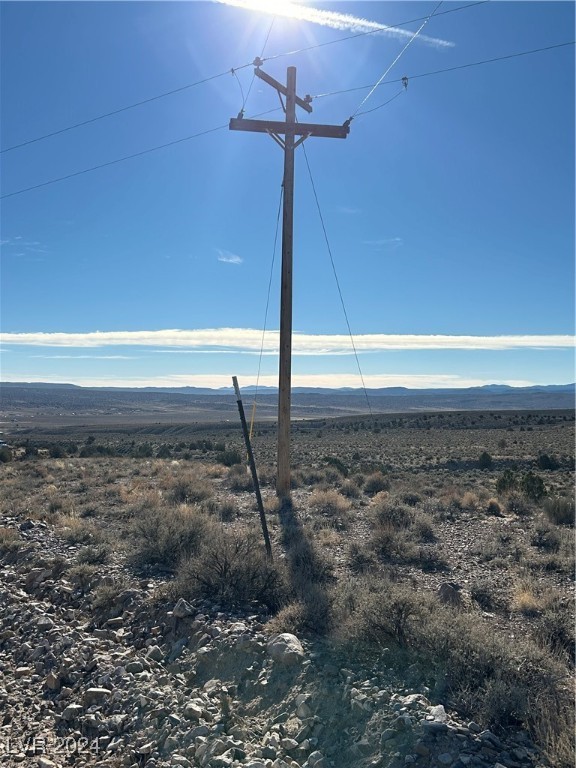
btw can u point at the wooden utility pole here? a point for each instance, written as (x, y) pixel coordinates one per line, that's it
(289, 129)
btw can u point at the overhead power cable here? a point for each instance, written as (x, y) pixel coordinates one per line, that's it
(118, 111)
(125, 157)
(336, 278)
(414, 36)
(375, 31)
(267, 308)
(254, 73)
(318, 96)
(385, 104)
(446, 69)
(187, 86)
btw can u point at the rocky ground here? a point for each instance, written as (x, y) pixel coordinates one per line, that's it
(136, 679)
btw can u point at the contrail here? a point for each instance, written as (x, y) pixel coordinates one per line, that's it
(333, 19)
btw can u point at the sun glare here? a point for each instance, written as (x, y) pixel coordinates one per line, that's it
(283, 8)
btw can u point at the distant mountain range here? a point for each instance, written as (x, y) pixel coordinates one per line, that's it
(488, 389)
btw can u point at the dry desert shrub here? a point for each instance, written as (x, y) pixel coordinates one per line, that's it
(10, 543)
(398, 530)
(163, 536)
(361, 558)
(493, 507)
(332, 506)
(227, 510)
(84, 577)
(94, 554)
(239, 478)
(328, 538)
(290, 618)
(559, 510)
(232, 569)
(188, 488)
(350, 489)
(76, 530)
(470, 501)
(375, 483)
(526, 601)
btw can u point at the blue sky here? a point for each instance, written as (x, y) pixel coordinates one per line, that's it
(450, 211)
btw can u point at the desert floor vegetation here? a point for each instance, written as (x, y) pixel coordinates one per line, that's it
(447, 538)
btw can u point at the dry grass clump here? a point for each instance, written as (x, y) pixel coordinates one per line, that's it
(398, 531)
(329, 503)
(189, 489)
(361, 558)
(517, 504)
(76, 530)
(493, 507)
(486, 594)
(84, 577)
(375, 483)
(228, 510)
(470, 501)
(10, 542)
(526, 601)
(350, 489)
(333, 507)
(163, 536)
(559, 510)
(239, 478)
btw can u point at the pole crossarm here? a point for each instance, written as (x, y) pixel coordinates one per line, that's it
(304, 103)
(296, 129)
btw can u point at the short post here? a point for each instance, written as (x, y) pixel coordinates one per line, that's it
(253, 468)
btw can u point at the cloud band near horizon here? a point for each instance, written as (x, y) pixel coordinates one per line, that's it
(249, 340)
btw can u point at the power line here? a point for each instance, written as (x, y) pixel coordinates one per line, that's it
(267, 308)
(383, 28)
(367, 111)
(118, 111)
(222, 74)
(322, 95)
(125, 157)
(398, 57)
(254, 73)
(336, 278)
(447, 69)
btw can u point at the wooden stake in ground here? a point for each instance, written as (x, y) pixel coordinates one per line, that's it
(253, 468)
(289, 129)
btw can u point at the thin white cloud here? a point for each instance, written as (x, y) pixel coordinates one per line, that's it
(345, 22)
(385, 242)
(250, 339)
(228, 257)
(332, 380)
(348, 210)
(85, 357)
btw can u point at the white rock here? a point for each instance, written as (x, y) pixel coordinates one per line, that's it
(438, 713)
(43, 762)
(94, 695)
(286, 648)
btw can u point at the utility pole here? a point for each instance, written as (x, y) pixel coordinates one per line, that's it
(289, 129)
